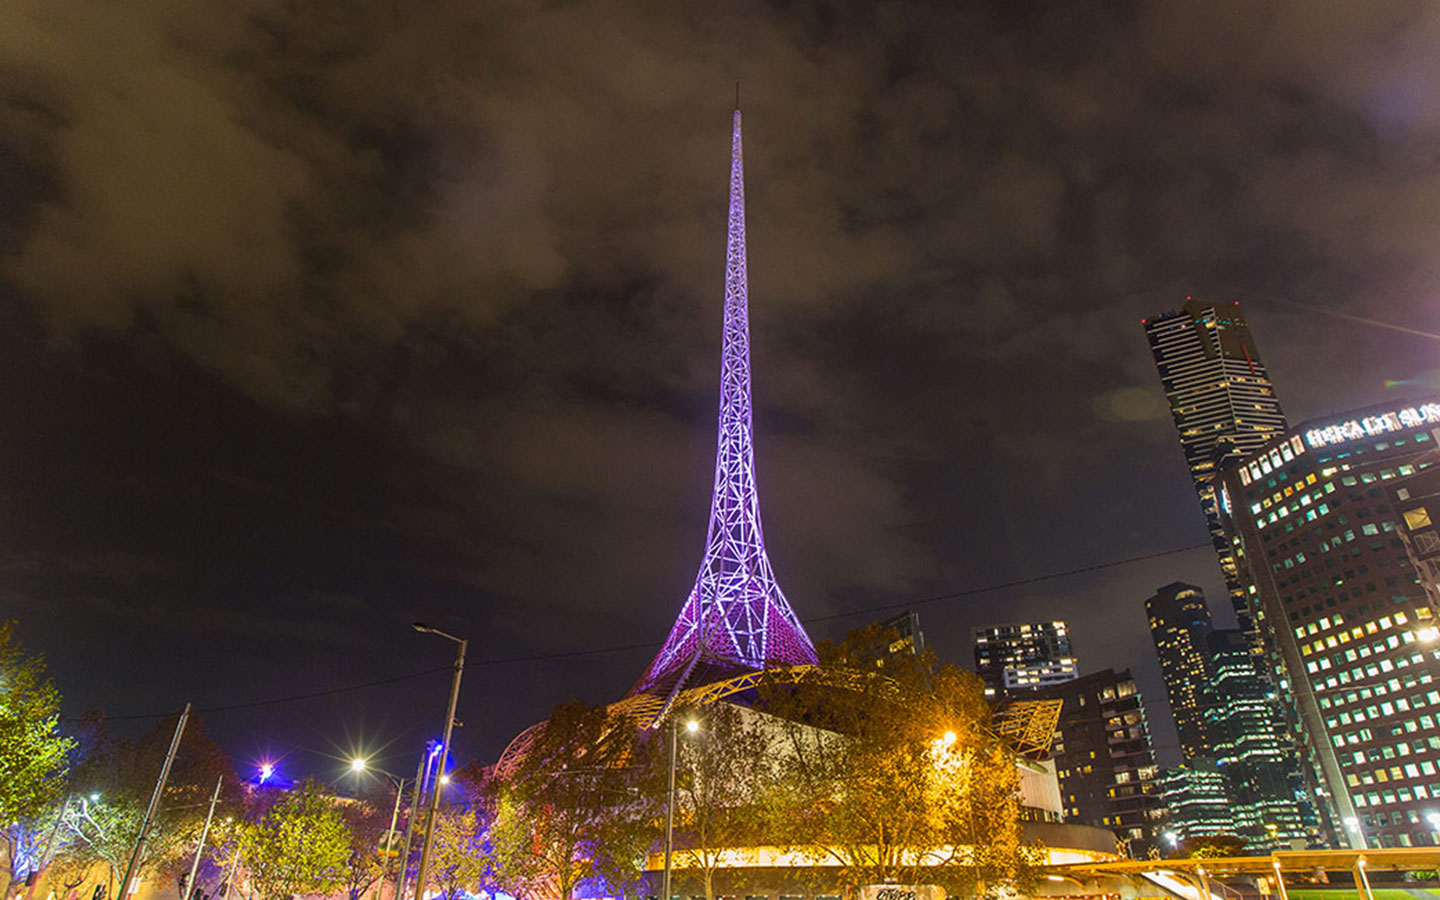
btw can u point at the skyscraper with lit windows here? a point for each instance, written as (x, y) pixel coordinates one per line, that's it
(1223, 404)
(1318, 525)
(1017, 659)
(1180, 626)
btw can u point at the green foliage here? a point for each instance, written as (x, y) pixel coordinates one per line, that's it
(888, 773)
(457, 857)
(299, 846)
(1208, 846)
(576, 808)
(33, 753)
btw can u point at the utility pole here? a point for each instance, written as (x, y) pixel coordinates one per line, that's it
(204, 833)
(444, 752)
(420, 772)
(134, 864)
(670, 809)
(390, 837)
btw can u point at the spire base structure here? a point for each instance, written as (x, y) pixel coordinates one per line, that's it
(735, 618)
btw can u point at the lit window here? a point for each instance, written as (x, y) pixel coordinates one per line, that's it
(1417, 518)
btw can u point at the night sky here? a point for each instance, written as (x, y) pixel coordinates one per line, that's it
(319, 319)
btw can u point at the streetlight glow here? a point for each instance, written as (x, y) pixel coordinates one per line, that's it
(949, 738)
(692, 726)
(357, 765)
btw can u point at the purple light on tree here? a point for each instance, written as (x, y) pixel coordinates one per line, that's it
(736, 612)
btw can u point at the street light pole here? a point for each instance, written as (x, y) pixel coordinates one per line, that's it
(204, 833)
(415, 795)
(691, 726)
(390, 832)
(134, 864)
(670, 810)
(444, 752)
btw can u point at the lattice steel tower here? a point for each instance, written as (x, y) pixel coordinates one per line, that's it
(736, 616)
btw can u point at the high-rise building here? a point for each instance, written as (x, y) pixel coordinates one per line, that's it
(1196, 801)
(1348, 626)
(1223, 405)
(1014, 659)
(1180, 625)
(1418, 500)
(1103, 756)
(1249, 743)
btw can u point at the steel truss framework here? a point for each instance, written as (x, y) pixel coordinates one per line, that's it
(736, 612)
(1027, 726)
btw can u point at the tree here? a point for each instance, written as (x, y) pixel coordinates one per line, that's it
(889, 773)
(299, 846)
(458, 859)
(1205, 846)
(120, 774)
(576, 808)
(365, 825)
(97, 833)
(33, 753)
(721, 770)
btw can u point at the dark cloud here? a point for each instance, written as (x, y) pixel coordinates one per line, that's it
(328, 320)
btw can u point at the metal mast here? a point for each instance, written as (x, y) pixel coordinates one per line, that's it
(736, 612)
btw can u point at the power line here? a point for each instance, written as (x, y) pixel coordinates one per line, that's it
(650, 645)
(1034, 579)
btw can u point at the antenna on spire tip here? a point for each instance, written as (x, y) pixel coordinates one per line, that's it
(737, 95)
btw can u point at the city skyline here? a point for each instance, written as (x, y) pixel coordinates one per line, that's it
(309, 331)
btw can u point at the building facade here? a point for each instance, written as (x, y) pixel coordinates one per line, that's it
(1196, 802)
(1223, 404)
(1180, 626)
(1251, 746)
(1343, 613)
(1017, 659)
(1104, 758)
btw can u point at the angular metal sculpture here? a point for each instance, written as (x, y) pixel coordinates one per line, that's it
(736, 617)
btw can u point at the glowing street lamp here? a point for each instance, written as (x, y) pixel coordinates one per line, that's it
(357, 765)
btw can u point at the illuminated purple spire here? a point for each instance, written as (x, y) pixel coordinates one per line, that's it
(736, 614)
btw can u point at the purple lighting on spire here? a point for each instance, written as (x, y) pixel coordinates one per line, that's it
(736, 611)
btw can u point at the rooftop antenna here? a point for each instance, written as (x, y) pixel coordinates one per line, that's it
(737, 95)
